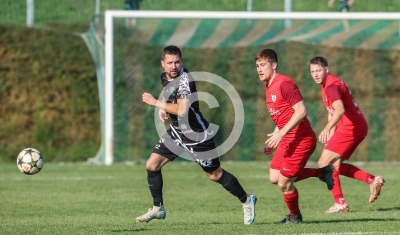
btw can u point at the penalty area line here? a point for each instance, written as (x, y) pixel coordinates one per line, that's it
(346, 233)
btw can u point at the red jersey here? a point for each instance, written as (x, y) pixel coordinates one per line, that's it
(281, 95)
(334, 89)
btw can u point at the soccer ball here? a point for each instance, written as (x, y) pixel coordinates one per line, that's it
(30, 161)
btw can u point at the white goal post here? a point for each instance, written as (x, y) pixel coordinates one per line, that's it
(110, 15)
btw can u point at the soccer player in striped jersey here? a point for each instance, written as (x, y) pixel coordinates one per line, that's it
(189, 132)
(345, 130)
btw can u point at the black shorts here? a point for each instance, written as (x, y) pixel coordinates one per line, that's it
(344, 6)
(204, 153)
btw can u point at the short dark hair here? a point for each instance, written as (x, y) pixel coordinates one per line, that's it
(268, 54)
(172, 50)
(319, 60)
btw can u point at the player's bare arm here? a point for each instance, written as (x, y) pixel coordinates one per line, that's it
(162, 114)
(333, 129)
(333, 120)
(181, 108)
(300, 112)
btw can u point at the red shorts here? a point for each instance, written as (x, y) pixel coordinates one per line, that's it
(291, 157)
(345, 142)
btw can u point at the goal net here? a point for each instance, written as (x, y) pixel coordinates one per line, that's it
(362, 48)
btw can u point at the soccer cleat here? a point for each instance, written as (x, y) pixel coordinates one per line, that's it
(249, 210)
(326, 177)
(291, 219)
(375, 188)
(338, 208)
(157, 212)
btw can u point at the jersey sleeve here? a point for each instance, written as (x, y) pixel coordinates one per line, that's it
(333, 93)
(291, 93)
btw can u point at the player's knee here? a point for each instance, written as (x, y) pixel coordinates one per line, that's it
(152, 166)
(284, 186)
(273, 181)
(273, 176)
(215, 175)
(322, 162)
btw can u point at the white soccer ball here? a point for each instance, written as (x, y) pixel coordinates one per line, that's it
(30, 161)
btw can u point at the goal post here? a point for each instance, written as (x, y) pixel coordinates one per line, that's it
(297, 35)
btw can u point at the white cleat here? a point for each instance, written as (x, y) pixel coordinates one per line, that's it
(249, 209)
(157, 212)
(375, 188)
(338, 208)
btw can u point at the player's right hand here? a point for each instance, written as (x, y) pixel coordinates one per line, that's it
(162, 115)
(267, 150)
(324, 136)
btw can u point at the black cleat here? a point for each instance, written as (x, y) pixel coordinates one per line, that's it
(326, 173)
(292, 219)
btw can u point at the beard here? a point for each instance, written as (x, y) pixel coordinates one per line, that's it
(173, 74)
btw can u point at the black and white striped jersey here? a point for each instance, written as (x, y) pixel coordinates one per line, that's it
(191, 128)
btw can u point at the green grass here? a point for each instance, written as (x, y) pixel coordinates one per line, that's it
(76, 198)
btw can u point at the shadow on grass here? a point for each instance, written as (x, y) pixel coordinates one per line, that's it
(128, 230)
(389, 209)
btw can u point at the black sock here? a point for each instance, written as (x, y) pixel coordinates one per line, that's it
(232, 185)
(155, 180)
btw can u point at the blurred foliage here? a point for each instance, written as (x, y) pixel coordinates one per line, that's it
(78, 12)
(49, 96)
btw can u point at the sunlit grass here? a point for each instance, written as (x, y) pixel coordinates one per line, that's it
(88, 199)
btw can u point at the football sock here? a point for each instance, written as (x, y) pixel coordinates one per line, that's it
(232, 185)
(337, 189)
(307, 173)
(292, 202)
(354, 172)
(155, 181)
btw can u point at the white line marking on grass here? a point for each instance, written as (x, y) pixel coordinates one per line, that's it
(346, 233)
(77, 178)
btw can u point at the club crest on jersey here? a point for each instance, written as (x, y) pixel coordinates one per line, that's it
(273, 97)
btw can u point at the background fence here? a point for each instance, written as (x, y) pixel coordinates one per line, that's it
(371, 75)
(65, 124)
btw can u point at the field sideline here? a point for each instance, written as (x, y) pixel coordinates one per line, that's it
(77, 198)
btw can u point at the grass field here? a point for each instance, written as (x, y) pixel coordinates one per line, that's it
(76, 198)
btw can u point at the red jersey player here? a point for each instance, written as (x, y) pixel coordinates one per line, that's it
(293, 137)
(345, 130)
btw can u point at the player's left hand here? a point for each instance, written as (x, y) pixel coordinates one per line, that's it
(149, 99)
(274, 139)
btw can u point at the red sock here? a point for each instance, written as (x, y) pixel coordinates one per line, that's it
(307, 173)
(354, 172)
(337, 189)
(292, 202)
